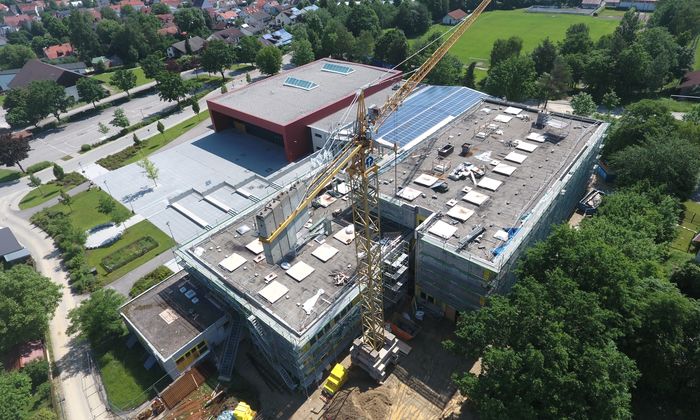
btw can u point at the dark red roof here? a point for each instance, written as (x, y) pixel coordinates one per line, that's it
(690, 79)
(457, 14)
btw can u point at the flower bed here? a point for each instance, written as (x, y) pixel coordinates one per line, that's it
(128, 253)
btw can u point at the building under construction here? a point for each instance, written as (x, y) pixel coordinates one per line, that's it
(466, 183)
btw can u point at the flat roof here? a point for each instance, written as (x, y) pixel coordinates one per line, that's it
(519, 164)
(230, 254)
(172, 313)
(281, 101)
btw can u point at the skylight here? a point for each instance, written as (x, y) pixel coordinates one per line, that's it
(337, 68)
(300, 83)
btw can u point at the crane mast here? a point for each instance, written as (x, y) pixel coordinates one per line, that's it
(358, 161)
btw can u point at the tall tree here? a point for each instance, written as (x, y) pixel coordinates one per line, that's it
(217, 57)
(27, 303)
(513, 78)
(302, 52)
(171, 87)
(363, 18)
(58, 172)
(583, 104)
(678, 16)
(504, 49)
(269, 60)
(46, 97)
(577, 40)
(248, 48)
(555, 84)
(642, 119)
(191, 20)
(152, 65)
(15, 395)
(469, 76)
(35, 182)
(544, 55)
(15, 56)
(610, 101)
(392, 47)
(119, 119)
(124, 80)
(13, 150)
(90, 90)
(150, 170)
(97, 318)
(82, 35)
(447, 72)
(413, 18)
(687, 279)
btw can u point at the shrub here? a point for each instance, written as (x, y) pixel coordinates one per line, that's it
(150, 280)
(85, 148)
(128, 253)
(38, 372)
(71, 179)
(38, 166)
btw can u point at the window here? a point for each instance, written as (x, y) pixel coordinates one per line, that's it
(191, 355)
(337, 68)
(317, 135)
(299, 83)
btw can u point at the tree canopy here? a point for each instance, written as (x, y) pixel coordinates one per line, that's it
(392, 47)
(513, 78)
(269, 60)
(97, 318)
(217, 57)
(302, 52)
(27, 303)
(13, 150)
(171, 87)
(90, 90)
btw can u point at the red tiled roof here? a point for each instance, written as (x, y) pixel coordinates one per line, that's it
(4, 8)
(168, 29)
(230, 14)
(457, 14)
(171, 3)
(56, 51)
(18, 20)
(133, 3)
(690, 79)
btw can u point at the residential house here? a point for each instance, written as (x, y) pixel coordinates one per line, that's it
(258, 19)
(6, 77)
(96, 15)
(250, 30)
(136, 4)
(230, 36)
(30, 9)
(278, 38)
(202, 4)
(11, 251)
(35, 70)
(228, 17)
(23, 354)
(15, 23)
(169, 29)
(311, 8)
(57, 51)
(454, 17)
(4, 9)
(179, 49)
(270, 7)
(77, 67)
(287, 17)
(690, 84)
(173, 4)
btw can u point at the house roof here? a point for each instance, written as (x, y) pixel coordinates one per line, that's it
(229, 14)
(18, 20)
(196, 44)
(168, 29)
(8, 242)
(457, 14)
(690, 79)
(133, 3)
(227, 34)
(55, 51)
(37, 70)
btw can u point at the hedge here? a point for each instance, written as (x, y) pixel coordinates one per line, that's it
(128, 253)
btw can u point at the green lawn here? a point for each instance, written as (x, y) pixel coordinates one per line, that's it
(139, 230)
(50, 190)
(689, 226)
(697, 55)
(141, 78)
(476, 43)
(611, 13)
(2, 99)
(83, 212)
(7, 175)
(126, 381)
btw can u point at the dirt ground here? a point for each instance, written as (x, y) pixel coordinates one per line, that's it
(419, 387)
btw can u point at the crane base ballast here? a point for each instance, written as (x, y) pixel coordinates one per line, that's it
(375, 362)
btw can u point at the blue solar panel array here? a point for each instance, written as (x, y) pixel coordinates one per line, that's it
(424, 110)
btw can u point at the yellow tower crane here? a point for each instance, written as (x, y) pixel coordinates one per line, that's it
(356, 158)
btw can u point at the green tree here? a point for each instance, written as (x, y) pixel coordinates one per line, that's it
(413, 18)
(13, 150)
(217, 57)
(447, 72)
(45, 97)
(678, 16)
(671, 162)
(513, 78)
(108, 31)
(610, 100)
(504, 49)
(119, 119)
(392, 47)
(15, 395)
(646, 118)
(15, 56)
(469, 77)
(247, 49)
(90, 90)
(58, 172)
(35, 182)
(136, 140)
(152, 65)
(191, 20)
(149, 169)
(269, 60)
(582, 104)
(65, 199)
(544, 55)
(577, 40)
(160, 9)
(160, 127)
(247, 78)
(83, 36)
(539, 347)
(302, 52)
(195, 108)
(124, 80)
(109, 13)
(45, 413)
(27, 303)
(554, 85)
(363, 18)
(171, 87)
(106, 205)
(438, 8)
(102, 128)
(38, 372)
(97, 318)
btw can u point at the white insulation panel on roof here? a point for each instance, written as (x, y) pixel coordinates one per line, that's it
(442, 229)
(515, 157)
(503, 118)
(324, 252)
(408, 193)
(460, 213)
(513, 110)
(525, 146)
(539, 138)
(274, 291)
(232, 262)
(256, 247)
(489, 183)
(426, 180)
(504, 169)
(300, 271)
(475, 197)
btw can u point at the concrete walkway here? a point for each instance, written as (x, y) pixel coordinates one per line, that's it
(124, 284)
(27, 213)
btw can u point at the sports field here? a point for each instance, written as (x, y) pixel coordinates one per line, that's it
(476, 43)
